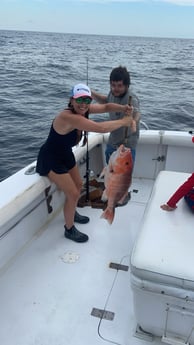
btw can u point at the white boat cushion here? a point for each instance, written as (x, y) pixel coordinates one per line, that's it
(164, 249)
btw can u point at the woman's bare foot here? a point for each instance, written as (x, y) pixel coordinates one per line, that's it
(165, 207)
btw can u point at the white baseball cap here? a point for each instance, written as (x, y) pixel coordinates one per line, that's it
(81, 90)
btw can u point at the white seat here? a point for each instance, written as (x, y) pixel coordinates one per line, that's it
(164, 251)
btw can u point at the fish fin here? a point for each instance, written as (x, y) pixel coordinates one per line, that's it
(103, 172)
(123, 198)
(104, 196)
(108, 214)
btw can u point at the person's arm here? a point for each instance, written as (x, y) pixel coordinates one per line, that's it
(99, 97)
(136, 115)
(179, 194)
(135, 118)
(84, 124)
(109, 107)
(181, 191)
(134, 101)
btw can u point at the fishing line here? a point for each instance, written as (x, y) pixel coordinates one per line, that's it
(106, 303)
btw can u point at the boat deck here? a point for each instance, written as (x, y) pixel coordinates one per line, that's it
(49, 290)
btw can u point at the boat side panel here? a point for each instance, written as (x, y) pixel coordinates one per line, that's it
(20, 230)
(180, 159)
(163, 150)
(29, 201)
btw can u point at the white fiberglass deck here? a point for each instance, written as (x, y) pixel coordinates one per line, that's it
(45, 300)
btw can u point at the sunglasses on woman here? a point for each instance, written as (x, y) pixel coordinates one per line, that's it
(85, 100)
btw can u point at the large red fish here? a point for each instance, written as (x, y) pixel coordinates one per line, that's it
(118, 175)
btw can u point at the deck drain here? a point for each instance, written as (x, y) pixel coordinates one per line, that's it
(118, 267)
(103, 314)
(70, 257)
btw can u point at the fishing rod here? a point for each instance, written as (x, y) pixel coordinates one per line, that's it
(87, 149)
(90, 198)
(127, 128)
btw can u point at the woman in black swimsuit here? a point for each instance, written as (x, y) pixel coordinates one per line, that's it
(56, 159)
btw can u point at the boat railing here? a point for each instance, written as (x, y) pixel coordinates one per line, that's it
(144, 125)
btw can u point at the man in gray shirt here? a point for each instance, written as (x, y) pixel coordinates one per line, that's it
(120, 93)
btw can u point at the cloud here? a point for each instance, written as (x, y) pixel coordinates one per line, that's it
(175, 2)
(178, 2)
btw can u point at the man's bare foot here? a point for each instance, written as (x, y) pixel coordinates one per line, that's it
(165, 207)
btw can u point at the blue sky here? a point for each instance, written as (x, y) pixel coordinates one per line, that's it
(165, 18)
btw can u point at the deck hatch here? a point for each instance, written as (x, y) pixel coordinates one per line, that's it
(118, 267)
(103, 314)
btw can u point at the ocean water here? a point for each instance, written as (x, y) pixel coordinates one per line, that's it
(37, 71)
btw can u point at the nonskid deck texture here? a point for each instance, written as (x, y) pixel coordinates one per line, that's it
(50, 289)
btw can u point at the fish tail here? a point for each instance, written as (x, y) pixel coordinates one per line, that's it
(108, 214)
